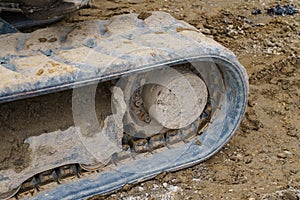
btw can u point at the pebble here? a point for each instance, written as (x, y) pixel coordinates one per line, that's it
(274, 81)
(205, 31)
(232, 33)
(260, 24)
(269, 43)
(282, 155)
(165, 185)
(248, 159)
(173, 188)
(256, 12)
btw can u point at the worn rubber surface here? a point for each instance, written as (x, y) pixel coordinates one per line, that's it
(60, 58)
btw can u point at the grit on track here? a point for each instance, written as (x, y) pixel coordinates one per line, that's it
(262, 160)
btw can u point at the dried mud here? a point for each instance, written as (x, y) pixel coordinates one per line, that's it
(262, 160)
(44, 114)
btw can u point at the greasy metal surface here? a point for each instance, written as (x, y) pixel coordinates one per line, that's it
(58, 58)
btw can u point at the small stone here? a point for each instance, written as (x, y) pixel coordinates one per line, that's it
(232, 33)
(214, 32)
(205, 31)
(174, 188)
(256, 12)
(127, 187)
(165, 185)
(141, 189)
(251, 103)
(260, 24)
(270, 44)
(293, 133)
(248, 159)
(274, 81)
(282, 155)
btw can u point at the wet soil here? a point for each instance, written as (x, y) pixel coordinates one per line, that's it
(262, 160)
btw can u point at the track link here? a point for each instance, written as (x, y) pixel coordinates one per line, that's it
(137, 147)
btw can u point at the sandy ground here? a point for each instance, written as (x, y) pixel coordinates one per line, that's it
(262, 160)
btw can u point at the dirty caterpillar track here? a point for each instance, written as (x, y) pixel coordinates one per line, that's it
(158, 92)
(135, 145)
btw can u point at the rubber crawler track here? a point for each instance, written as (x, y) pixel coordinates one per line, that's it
(135, 145)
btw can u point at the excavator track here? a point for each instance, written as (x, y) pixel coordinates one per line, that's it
(135, 145)
(133, 96)
(61, 174)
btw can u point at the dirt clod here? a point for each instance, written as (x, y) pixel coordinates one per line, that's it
(144, 15)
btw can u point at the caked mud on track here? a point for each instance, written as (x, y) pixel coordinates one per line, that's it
(198, 91)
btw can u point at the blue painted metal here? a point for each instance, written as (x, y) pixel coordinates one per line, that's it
(6, 28)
